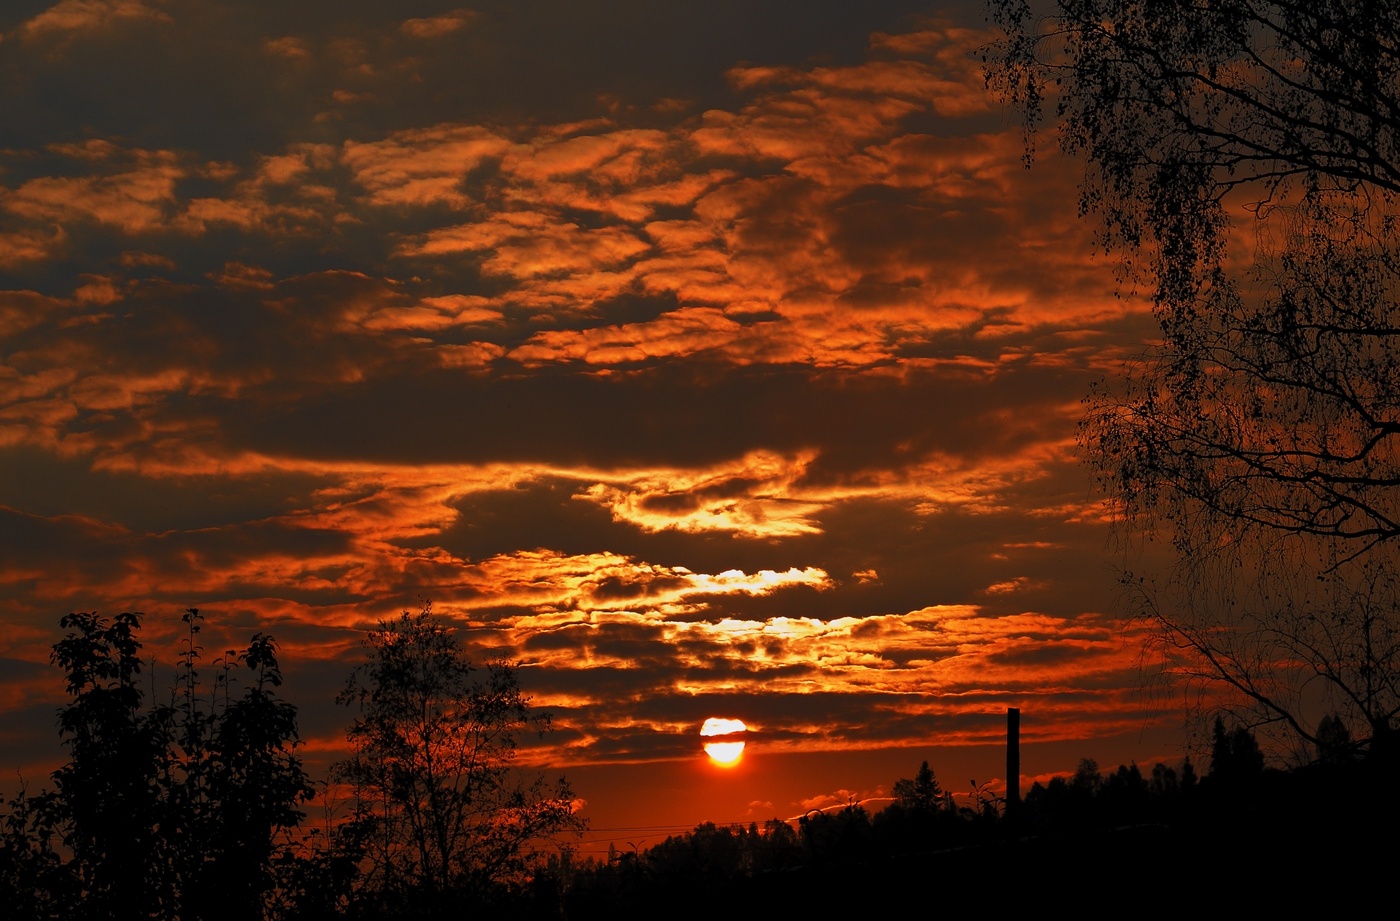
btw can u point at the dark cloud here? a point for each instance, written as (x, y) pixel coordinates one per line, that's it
(674, 413)
(46, 485)
(201, 74)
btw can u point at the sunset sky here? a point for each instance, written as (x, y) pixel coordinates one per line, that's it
(711, 359)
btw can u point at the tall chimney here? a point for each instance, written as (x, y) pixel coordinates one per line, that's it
(1013, 758)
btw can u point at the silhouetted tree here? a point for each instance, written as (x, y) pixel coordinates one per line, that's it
(319, 876)
(1087, 780)
(35, 882)
(921, 794)
(108, 797)
(445, 814)
(836, 837)
(1258, 433)
(163, 811)
(781, 847)
(1125, 795)
(1235, 758)
(922, 815)
(1165, 783)
(1334, 745)
(241, 785)
(707, 856)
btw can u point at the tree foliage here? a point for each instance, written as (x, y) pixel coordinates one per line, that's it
(1235, 757)
(445, 813)
(108, 796)
(174, 809)
(1260, 432)
(920, 794)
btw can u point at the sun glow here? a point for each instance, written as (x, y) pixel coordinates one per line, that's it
(724, 752)
(728, 740)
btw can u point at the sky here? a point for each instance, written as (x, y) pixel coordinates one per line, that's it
(708, 359)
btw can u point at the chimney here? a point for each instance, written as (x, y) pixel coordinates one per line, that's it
(1013, 758)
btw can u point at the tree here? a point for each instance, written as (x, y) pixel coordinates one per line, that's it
(1333, 741)
(921, 815)
(1260, 432)
(835, 838)
(168, 810)
(107, 799)
(446, 814)
(35, 882)
(1235, 758)
(920, 795)
(247, 792)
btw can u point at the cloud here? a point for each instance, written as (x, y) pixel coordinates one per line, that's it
(70, 16)
(525, 245)
(287, 46)
(437, 26)
(134, 201)
(30, 246)
(24, 310)
(422, 166)
(1009, 586)
(435, 313)
(812, 700)
(753, 497)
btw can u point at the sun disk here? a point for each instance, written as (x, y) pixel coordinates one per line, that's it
(726, 737)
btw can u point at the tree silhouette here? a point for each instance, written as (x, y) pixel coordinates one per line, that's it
(836, 837)
(170, 810)
(1235, 758)
(922, 815)
(1334, 745)
(922, 794)
(445, 814)
(108, 797)
(35, 882)
(1259, 434)
(247, 789)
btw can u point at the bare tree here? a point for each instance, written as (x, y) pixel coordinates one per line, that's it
(445, 812)
(1259, 434)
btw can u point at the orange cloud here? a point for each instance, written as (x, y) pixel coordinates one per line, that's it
(423, 166)
(437, 26)
(23, 310)
(615, 156)
(86, 15)
(134, 201)
(753, 496)
(287, 46)
(524, 245)
(24, 246)
(435, 313)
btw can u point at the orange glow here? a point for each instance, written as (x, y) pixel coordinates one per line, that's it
(724, 753)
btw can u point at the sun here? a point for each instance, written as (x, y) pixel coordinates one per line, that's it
(727, 740)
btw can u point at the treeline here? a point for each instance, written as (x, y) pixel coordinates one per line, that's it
(1135, 827)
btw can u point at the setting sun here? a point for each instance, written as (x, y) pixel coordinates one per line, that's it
(727, 739)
